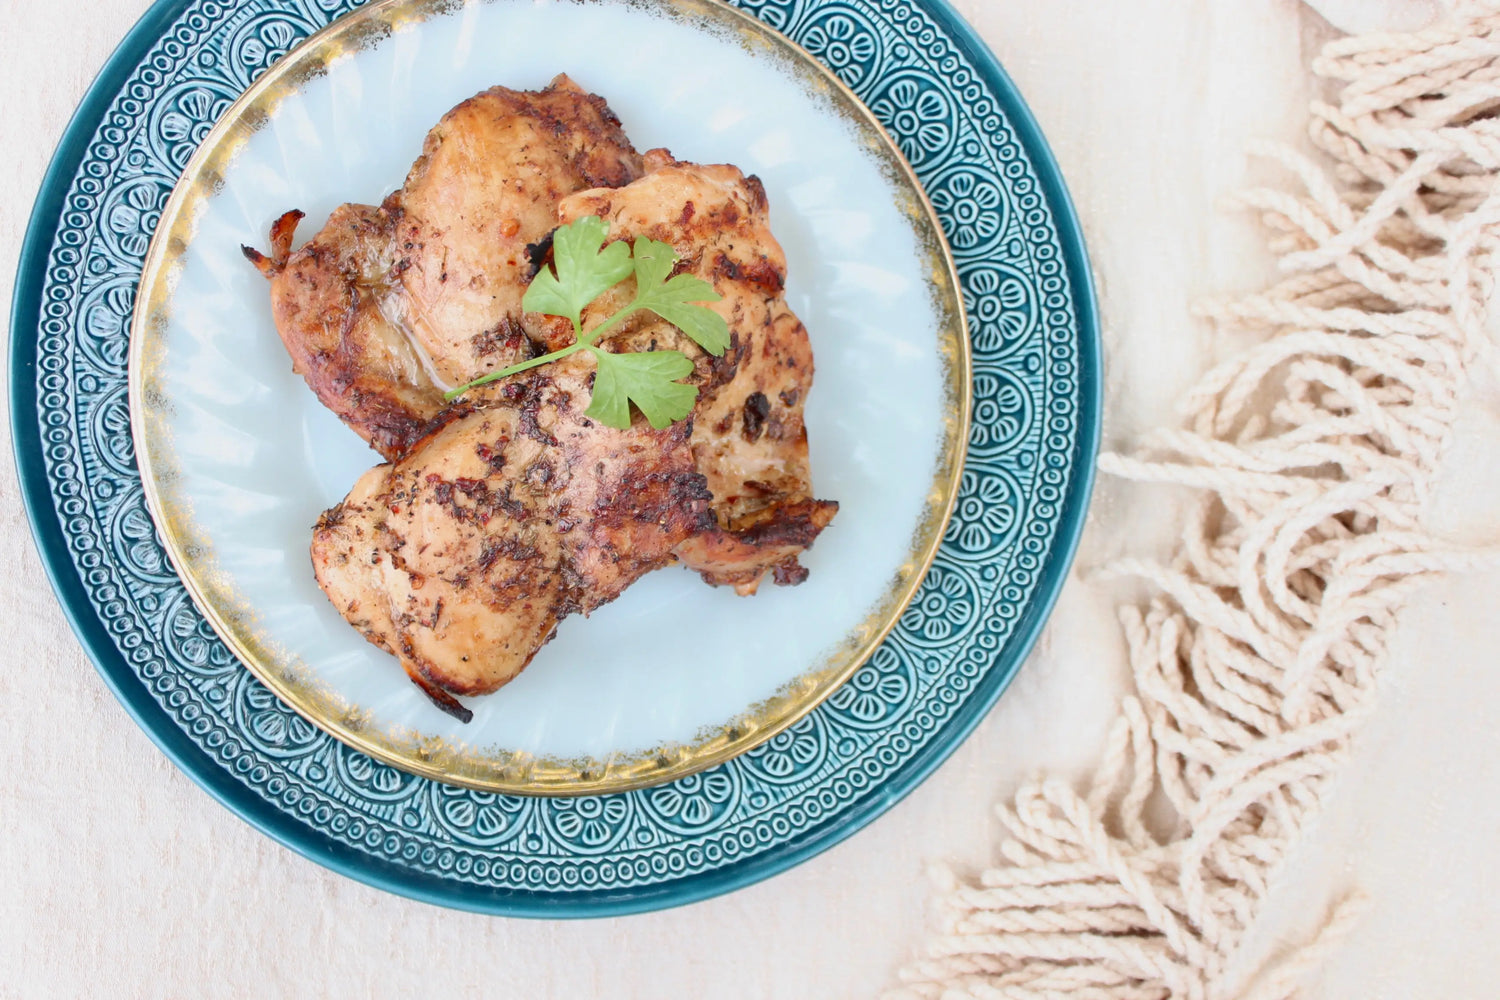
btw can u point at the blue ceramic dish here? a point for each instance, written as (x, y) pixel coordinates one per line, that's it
(1026, 286)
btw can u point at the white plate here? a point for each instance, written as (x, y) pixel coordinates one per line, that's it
(240, 458)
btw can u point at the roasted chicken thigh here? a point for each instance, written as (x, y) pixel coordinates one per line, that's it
(462, 558)
(388, 306)
(748, 439)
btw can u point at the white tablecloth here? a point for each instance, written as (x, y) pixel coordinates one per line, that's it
(119, 877)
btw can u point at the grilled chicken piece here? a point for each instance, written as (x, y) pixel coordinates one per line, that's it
(388, 306)
(462, 558)
(748, 441)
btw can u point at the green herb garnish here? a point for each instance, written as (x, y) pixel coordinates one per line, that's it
(584, 268)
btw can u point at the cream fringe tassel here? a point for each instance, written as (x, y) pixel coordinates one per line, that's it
(1257, 662)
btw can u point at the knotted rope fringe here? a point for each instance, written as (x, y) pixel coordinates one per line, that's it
(1256, 662)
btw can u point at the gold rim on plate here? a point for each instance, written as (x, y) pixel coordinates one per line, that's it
(496, 769)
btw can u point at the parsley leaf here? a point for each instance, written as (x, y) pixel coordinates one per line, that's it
(580, 272)
(670, 299)
(646, 379)
(583, 269)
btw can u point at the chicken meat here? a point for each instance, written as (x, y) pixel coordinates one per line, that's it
(388, 306)
(749, 440)
(462, 558)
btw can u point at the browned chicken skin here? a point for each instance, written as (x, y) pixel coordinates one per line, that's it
(748, 440)
(502, 514)
(462, 558)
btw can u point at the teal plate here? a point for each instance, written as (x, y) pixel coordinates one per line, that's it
(1021, 262)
